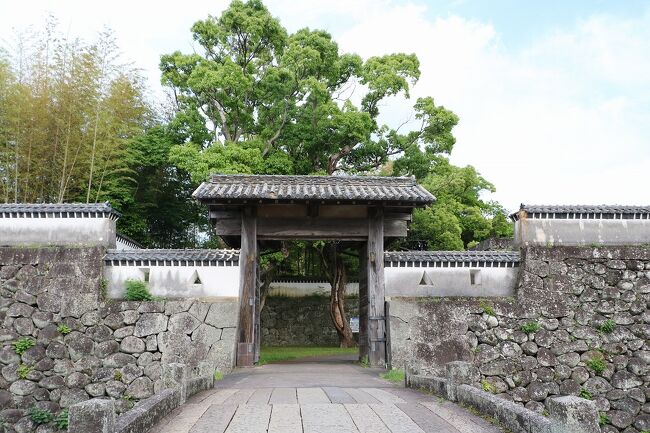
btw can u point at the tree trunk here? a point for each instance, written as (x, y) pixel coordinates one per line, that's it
(338, 279)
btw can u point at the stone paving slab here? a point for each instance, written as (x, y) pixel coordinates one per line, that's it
(285, 418)
(383, 396)
(215, 420)
(361, 396)
(422, 417)
(396, 420)
(284, 396)
(366, 420)
(338, 395)
(458, 418)
(261, 396)
(312, 396)
(348, 400)
(327, 418)
(250, 418)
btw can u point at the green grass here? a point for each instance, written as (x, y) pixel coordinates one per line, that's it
(396, 376)
(277, 354)
(607, 326)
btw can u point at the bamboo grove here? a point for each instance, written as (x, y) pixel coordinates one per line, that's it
(67, 112)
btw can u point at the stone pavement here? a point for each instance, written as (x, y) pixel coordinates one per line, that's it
(328, 396)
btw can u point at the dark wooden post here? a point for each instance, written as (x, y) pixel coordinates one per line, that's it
(247, 288)
(375, 267)
(363, 302)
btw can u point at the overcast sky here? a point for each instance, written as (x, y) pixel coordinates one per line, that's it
(553, 97)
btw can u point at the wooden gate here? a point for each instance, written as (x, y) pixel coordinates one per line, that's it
(247, 209)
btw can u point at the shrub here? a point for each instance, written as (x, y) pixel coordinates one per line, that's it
(364, 362)
(39, 416)
(598, 365)
(585, 394)
(61, 420)
(137, 290)
(217, 375)
(23, 371)
(530, 327)
(487, 308)
(22, 344)
(607, 326)
(64, 329)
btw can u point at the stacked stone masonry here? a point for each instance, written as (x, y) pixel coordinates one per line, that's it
(301, 321)
(83, 347)
(579, 325)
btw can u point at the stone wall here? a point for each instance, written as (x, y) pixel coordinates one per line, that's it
(83, 346)
(578, 325)
(301, 321)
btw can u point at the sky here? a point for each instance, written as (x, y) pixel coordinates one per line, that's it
(553, 96)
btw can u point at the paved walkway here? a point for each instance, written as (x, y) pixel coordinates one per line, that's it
(328, 396)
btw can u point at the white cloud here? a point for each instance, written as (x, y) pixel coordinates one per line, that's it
(564, 119)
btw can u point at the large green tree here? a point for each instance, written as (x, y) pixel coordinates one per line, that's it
(271, 102)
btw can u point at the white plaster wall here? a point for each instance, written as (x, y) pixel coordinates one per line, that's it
(57, 231)
(533, 231)
(450, 282)
(176, 281)
(306, 289)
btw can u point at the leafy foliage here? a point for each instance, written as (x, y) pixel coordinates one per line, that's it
(281, 103)
(64, 329)
(68, 111)
(22, 344)
(607, 326)
(137, 290)
(603, 419)
(487, 308)
(597, 364)
(61, 420)
(530, 327)
(40, 416)
(459, 218)
(23, 371)
(488, 387)
(585, 394)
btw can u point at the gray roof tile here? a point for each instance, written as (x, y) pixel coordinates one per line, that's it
(304, 188)
(44, 208)
(188, 254)
(581, 209)
(452, 256)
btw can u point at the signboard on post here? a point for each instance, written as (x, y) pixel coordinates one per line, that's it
(354, 325)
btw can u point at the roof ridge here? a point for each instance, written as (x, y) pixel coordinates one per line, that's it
(59, 207)
(306, 187)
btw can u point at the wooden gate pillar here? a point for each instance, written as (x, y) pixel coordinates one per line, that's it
(247, 288)
(376, 289)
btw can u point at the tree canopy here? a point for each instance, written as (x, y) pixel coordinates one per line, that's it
(264, 101)
(77, 125)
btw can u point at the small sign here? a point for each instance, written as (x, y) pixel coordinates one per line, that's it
(354, 324)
